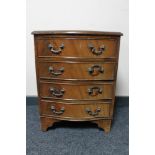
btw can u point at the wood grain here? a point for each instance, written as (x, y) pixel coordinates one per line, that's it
(77, 71)
(77, 32)
(75, 101)
(74, 111)
(80, 90)
(47, 122)
(104, 124)
(77, 48)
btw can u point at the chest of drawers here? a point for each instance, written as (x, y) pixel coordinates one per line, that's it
(76, 76)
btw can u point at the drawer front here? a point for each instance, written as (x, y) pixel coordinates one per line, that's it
(105, 48)
(79, 71)
(75, 111)
(82, 91)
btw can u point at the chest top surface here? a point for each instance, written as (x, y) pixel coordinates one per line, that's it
(77, 32)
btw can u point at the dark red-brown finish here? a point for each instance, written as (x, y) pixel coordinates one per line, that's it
(81, 90)
(77, 47)
(77, 70)
(76, 76)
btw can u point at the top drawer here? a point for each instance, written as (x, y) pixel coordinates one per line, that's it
(81, 48)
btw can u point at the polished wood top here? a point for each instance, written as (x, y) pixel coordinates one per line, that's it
(77, 32)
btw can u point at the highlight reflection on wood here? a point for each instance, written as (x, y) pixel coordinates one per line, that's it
(74, 111)
(77, 48)
(76, 76)
(81, 91)
(77, 71)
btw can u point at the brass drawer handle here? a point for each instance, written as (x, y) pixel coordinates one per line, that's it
(95, 51)
(95, 70)
(62, 110)
(94, 91)
(56, 72)
(56, 51)
(95, 113)
(57, 92)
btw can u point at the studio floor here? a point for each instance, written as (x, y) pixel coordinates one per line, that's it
(82, 138)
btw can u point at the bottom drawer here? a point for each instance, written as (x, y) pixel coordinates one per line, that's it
(76, 111)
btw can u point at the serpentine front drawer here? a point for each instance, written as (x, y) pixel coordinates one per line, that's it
(72, 111)
(77, 70)
(100, 47)
(82, 91)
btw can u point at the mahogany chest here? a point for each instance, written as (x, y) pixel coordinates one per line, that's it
(76, 76)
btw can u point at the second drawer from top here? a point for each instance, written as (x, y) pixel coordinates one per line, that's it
(77, 70)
